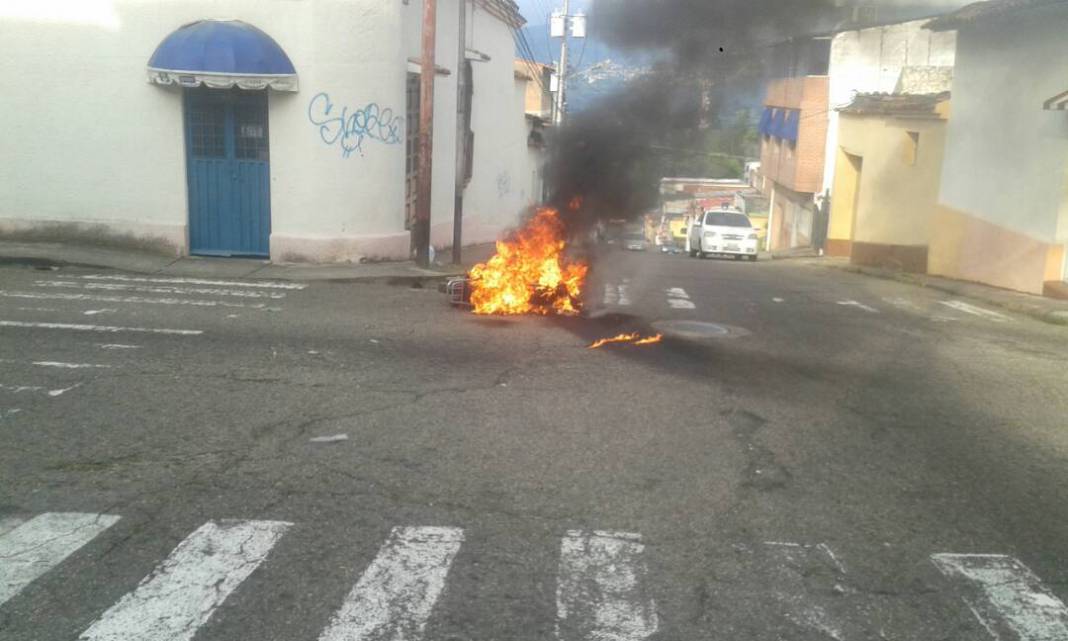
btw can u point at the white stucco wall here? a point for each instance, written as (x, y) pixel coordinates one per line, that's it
(499, 187)
(1005, 156)
(88, 143)
(870, 60)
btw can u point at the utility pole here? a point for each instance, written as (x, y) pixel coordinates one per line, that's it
(562, 72)
(421, 224)
(461, 139)
(559, 24)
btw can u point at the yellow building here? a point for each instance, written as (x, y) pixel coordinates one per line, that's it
(886, 180)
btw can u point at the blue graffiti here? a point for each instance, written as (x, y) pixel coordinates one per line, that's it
(350, 129)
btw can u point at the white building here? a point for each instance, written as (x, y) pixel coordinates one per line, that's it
(314, 168)
(875, 60)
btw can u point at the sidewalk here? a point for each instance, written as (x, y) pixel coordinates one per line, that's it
(1049, 310)
(42, 254)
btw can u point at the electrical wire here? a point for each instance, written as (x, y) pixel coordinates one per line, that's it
(528, 57)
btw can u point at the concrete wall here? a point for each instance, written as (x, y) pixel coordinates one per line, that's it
(871, 60)
(500, 184)
(888, 219)
(1003, 195)
(90, 146)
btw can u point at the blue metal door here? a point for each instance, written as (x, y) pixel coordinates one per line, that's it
(228, 172)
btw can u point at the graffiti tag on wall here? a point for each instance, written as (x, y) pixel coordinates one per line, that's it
(349, 129)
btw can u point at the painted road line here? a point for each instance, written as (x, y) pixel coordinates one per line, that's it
(38, 545)
(624, 300)
(63, 365)
(1006, 597)
(18, 389)
(611, 294)
(101, 328)
(393, 599)
(118, 346)
(961, 306)
(135, 300)
(59, 392)
(160, 289)
(182, 593)
(794, 572)
(94, 312)
(901, 303)
(853, 303)
(776, 299)
(198, 281)
(600, 592)
(679, 299)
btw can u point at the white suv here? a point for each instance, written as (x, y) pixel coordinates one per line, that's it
(723, 231)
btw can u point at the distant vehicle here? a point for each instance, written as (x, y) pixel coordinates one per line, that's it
(634, 242)
(723, 231)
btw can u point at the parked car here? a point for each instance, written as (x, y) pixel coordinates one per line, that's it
(634, 242)
(723, 231)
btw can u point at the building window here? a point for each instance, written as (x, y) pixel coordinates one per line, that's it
(411, 150)
(912, 147)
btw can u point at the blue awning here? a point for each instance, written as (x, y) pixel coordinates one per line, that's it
(765, 122)
(222, 54)
(777, 120)
(790, 125)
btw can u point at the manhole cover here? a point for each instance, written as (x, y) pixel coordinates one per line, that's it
(698, 330)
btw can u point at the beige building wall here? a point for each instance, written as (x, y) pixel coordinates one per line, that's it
(1004, 197)
(886, 214)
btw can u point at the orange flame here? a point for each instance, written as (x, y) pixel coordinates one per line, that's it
(649, 340)
(529, 273)
(632, 337)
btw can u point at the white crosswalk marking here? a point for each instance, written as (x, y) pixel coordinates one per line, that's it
(101, 328)
(182, 593)
(790, 567)
(853, 303)
(1006, 597)
(624, 299)
(600, 593)
(197, 281)
(679, 299)
(967, 308)
(393, 599)
(159, 289)
(32, 548)
(131, 300)
(611, 294)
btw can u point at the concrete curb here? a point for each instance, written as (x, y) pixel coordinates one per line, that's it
(1010, 301)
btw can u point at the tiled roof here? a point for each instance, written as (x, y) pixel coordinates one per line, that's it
(900, 105)
(978, 11)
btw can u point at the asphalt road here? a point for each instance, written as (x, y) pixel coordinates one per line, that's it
(832, 469)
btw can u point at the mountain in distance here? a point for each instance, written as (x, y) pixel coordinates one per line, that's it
(596, 68)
